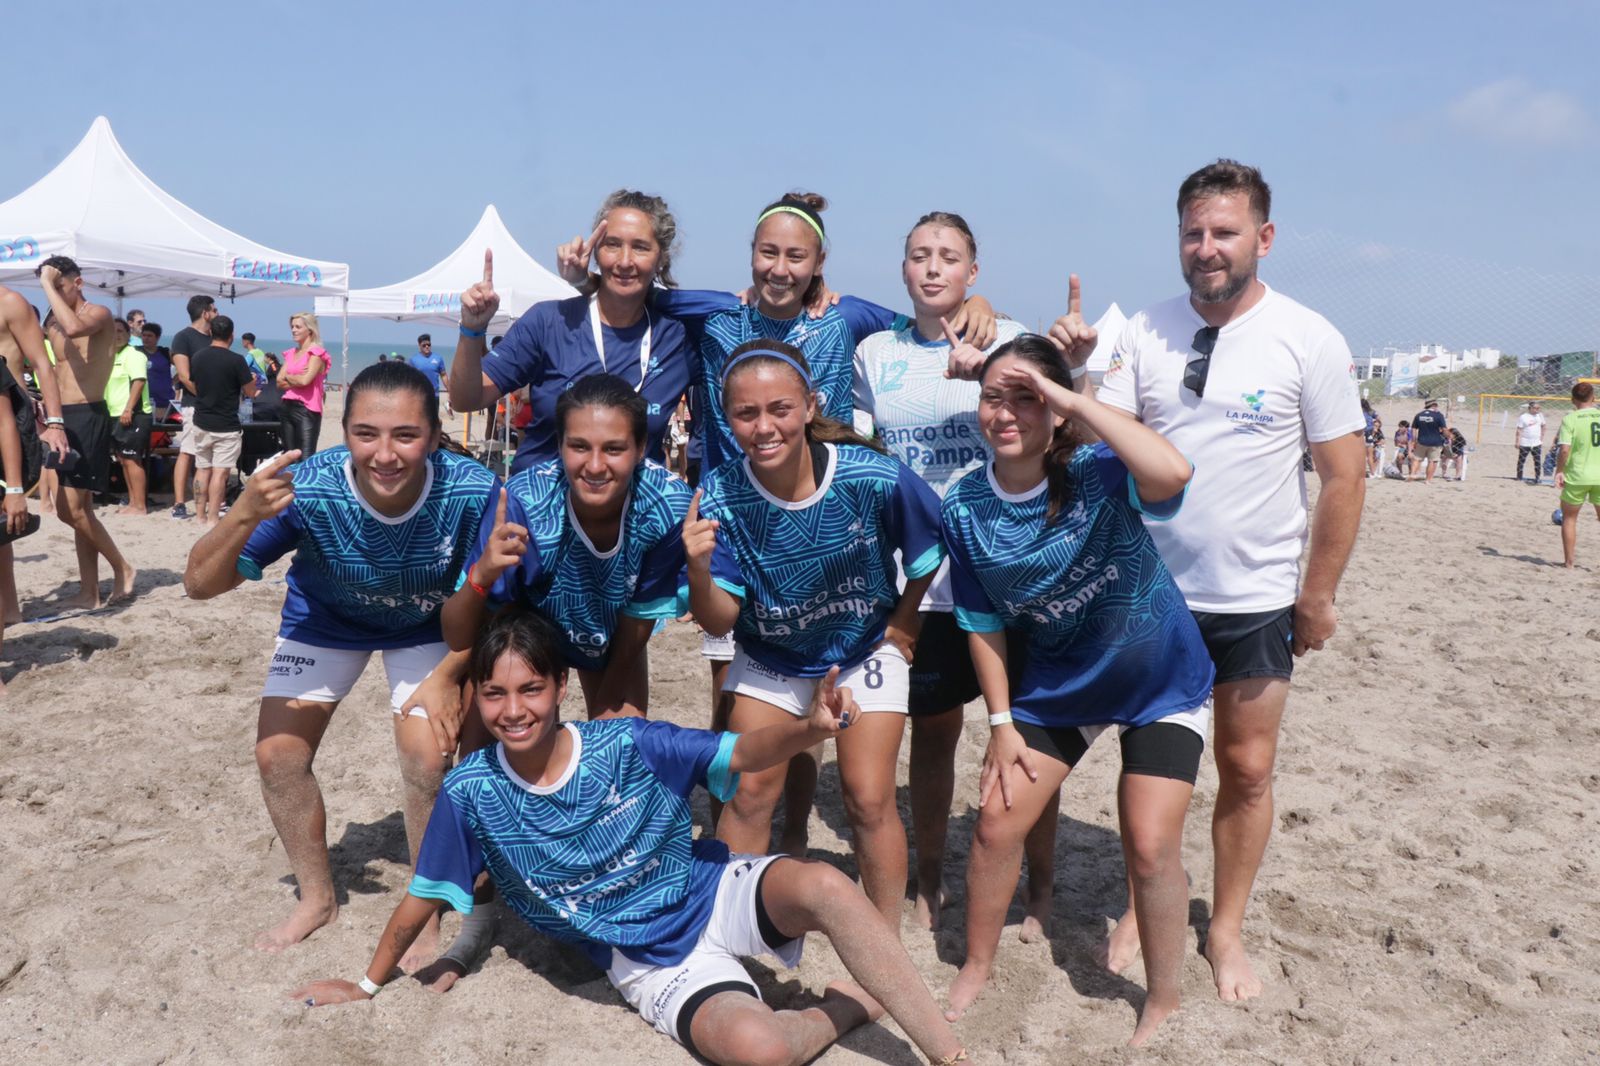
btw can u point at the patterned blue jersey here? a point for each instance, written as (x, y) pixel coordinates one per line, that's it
(605, 857)
(1109, 637)
(829, 344)
(581, 589)
(360, 579)
(816, 579)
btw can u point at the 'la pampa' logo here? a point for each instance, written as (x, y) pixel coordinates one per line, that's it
(1254, 399)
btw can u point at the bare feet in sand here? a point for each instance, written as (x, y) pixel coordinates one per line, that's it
(1150, 1020)
(858, 1008)
(1121, 946)
(122, 585)
(1036, 921)
(305, 919)
(424, 949)
(86, 600)
(1230, 968)
(130, 510)
(441, 975)
(964, 990)
(925, 910)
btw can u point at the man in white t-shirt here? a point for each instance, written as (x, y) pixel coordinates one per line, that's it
(1240, 379)
(1530, 439)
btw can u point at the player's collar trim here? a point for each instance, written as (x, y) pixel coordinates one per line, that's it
(1012, 497)
(797, 505)
(422, 498)
(566, 775)
(622, 529)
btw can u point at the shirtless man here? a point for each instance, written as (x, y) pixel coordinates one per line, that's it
(22, 347)
(81, 334)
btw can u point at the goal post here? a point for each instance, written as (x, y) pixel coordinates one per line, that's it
(1497, 413)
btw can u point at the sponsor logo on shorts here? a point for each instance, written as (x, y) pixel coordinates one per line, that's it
(285, 664)
(19, 250)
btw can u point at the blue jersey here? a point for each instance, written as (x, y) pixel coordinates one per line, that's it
(552, 346)
(580, 588)
(1109, 637)
(431, 366)
(816, 579)
(605, 857)
(361, 579)
(721, 324)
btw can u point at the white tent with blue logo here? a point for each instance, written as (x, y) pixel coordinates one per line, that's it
(434, 296)
(132, 238)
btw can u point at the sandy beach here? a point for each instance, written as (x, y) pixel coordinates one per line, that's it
(1429, 896)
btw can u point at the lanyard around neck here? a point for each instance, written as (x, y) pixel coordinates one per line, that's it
(600, 341)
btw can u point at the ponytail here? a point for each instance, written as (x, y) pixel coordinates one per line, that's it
(1064, 442)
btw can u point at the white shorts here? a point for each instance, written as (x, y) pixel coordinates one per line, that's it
(326, 675)
(1195, 718)
(186, 441)
(717, 649)
(881, 682)
(733, 932)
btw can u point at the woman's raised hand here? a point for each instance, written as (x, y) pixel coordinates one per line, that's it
(480, 301)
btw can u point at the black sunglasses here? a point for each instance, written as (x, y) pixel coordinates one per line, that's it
(1195, 370)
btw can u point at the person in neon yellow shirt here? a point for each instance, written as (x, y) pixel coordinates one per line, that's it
(128, 401)
(1578, 465)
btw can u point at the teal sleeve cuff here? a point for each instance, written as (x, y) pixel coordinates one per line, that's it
(666, 607)
(979, 621)
(1161, 510)
(926, 563)
(729, 587)
(721, 781)
(423, 888)
(249, 569)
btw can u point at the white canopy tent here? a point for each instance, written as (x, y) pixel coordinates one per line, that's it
(132, 238)
(1109, 328)
(434, 296)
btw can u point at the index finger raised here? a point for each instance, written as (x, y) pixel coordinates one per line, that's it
(500, 508)
(694, 508)
(488, 267)
(596, 236)
(1074, 295)
(276, 464)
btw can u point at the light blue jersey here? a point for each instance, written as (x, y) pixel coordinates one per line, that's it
(580, 588)
(605, 857)
(816, 578)
(1109, 637)
(361, 579)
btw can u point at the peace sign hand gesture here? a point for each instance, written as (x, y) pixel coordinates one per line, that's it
(508, 543)
(966, 361)
(572, 258)
(1073, 337)
(699, 537)
(480, 301)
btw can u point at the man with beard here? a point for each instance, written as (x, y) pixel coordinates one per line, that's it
(1238, 376)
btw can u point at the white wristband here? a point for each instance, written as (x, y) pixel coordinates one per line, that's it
(1003, 718)
(15, 490)
(1076, 372)
(371, 988)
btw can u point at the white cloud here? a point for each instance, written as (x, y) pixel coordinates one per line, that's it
(1512, 111)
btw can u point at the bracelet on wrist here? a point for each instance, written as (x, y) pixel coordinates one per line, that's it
(55, 420)
(1076, 372)
(1003, 718)
(16, 490)
(371, 988)
(467, 332)
(475, 587)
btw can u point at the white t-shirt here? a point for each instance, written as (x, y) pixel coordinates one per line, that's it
(1530, 429)
(926, 420)
(1280, 376)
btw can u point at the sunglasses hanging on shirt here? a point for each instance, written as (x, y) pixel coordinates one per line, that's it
(1195, 370)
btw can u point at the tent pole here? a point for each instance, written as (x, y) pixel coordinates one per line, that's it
(344, 355)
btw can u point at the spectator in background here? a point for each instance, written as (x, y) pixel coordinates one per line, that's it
(383, 357)
(1404, 441)
(1577, 466)
(158, 379)
(267, 401)
(432, 366)
(136, 322)
(1372, 436)
(186, 343)
(257, 357)
(305, 369)
(1456, 456)
(128, 401)
(1431, 432)
(221, 376)
(1530, 439)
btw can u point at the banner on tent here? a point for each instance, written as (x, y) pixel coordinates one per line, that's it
(19, 250)
(1403, 369)
(432, 302)
(283, 273)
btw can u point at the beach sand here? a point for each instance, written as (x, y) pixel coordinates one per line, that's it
(1429, 895)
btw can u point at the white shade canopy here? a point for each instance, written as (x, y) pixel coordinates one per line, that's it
(132, 238)
(1110, 328)
(435, 294)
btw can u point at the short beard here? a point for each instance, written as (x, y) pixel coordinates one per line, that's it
(1235, 285)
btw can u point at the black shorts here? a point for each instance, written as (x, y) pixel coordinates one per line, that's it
(1160, 749)
(131, 441)
(1249, 645)
(942, 674)
(88, 428)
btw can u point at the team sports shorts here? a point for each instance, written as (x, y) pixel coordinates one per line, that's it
(88, 427)
(1578, 495)
(717, 649)
(668, 996)
(1168, 747)
(1243, 646)
(326, 675)
(880, 682)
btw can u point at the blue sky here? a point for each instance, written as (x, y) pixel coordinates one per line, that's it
(1433, 175)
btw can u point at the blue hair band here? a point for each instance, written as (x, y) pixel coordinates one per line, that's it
(769, 353)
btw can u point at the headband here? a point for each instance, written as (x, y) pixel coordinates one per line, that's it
(805, 212)
(727, 371)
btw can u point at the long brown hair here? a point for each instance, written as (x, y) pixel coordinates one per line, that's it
(1064, 441)
(821, 428)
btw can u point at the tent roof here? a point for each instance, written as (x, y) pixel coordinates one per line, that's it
(132, 238)
(435, 294)
(1110, 328)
